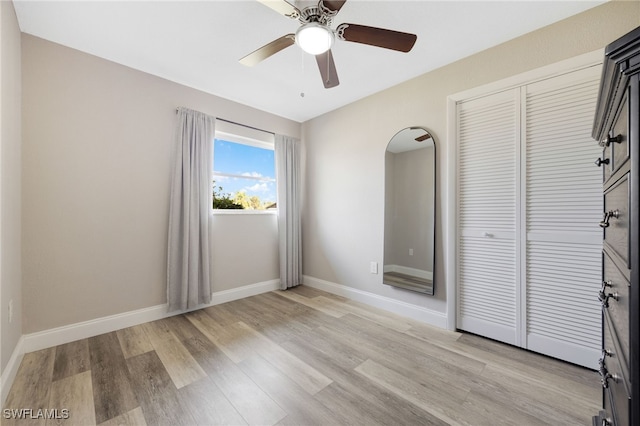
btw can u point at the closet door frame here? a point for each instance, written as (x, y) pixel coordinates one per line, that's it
(450, 193)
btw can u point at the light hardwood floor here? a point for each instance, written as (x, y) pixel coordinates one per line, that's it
(299, 357)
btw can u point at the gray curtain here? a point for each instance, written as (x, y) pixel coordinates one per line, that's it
(287, 151)
(188, 269)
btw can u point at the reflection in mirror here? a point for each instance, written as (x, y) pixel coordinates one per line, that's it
(410, 210)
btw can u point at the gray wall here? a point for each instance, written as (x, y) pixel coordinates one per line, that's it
(10, 183)
(97, 150)
(344, 192)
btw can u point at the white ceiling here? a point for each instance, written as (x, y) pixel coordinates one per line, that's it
(198, 43)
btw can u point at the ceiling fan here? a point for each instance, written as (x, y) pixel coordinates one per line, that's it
(315, 36)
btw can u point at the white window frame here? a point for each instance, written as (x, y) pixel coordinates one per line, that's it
(246, 136)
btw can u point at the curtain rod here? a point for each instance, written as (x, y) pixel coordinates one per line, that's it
(240, 124)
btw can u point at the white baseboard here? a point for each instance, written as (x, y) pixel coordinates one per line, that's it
(245, 291)
(420, 273)
(82, 330)
(10, 371)
(416, 312)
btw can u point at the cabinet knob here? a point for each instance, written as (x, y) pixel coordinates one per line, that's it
(612, 139)
(600, 161)
(607, 216)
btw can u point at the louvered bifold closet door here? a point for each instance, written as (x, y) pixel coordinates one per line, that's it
(563, 208)
(487, 189)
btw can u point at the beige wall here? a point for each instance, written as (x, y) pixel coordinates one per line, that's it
(97, 149)
(10, 183)
(343, 213)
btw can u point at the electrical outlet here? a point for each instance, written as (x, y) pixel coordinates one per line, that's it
(410, 252)
(11, 311)
(374, 267)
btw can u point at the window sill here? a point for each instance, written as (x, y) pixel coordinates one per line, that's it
(243, 212)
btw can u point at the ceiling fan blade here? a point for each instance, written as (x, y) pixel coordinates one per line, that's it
(379, 37)
(327, 68)
(282, 7)
(332, 6)
(268, 50)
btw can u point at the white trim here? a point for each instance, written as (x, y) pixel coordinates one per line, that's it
(242, 212)
(82, 330)
(225, 296)
(416, 312)
(10, 371)
(567, 351)
(450, 197)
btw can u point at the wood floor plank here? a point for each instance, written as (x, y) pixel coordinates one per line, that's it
(181, 328)
(31, 388)
(134, 417)
(556, 367)
(536, 373)
(375, 406)
(534, 398)
(208, 405)
(156, 392)
(399, 347)
(235, 346)
(223, 314)
(385, 319)
(253, 404)
(177, 360)
(75, 394)
(277, 324)
(446, 409)
(112, 393)
(297, 313)
(71, 358)
(319, 305)
(310, 379)
(355, 397)
(301, 407)
(134, 341)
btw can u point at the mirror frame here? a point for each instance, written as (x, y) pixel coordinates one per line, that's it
(412, 283)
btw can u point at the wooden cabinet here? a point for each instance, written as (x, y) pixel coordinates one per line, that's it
(617, 129)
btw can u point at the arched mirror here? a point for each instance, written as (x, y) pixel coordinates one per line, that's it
(409, 210)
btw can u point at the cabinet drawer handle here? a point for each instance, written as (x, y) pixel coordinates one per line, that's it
(601, 161)
(607, 216)
(604, 378)
(603, 297)
(612, 139)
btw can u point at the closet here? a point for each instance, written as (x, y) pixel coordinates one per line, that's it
(529, 194)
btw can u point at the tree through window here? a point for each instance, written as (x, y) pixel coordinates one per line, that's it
(243, 174)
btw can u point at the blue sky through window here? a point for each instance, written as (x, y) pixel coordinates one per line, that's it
(240, 167)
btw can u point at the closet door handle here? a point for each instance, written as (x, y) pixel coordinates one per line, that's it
(600, 161)
(607, 216)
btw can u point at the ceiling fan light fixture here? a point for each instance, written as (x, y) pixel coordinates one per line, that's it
(314, 38)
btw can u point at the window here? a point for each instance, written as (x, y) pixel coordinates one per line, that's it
(244, 175)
